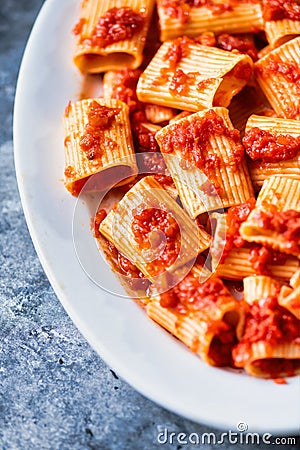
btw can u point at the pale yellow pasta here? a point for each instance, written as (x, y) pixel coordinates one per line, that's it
(93, 58)
(114, 158)
(262, 353)
(259, 170)
(159, 114)
(117, 228)
(278, 195)
(237, 265)
(259, 287)
(274, 125)
(196, 191)
(273, 73)
(249, 101)
(241, 18)
(289, 297)
(280, 31)
(202, 78)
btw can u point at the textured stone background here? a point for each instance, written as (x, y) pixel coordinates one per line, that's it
(55, 392)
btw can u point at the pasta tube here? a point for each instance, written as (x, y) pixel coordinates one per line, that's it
(190, 76)
(206, 161)
(136, 226)
(219, 16)
(238, 265)
(282, 21)
(289, 297)
(111, 34)
(273, 145)
(204, 316)
(259, 287)
(269, 347)
(275, 220)
(98, 141)
(278, 76)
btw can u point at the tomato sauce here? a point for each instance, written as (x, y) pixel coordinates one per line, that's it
(235, 216)
(146, 226)
(268, 322)
(77, 30)
(192, 138)
(261, 258)
(180, 9)
(269, 147)
(281, 9)
(117, 24)
(180, 83)
(284, 223)
(100, 118)
(124, 88)
(273, 65)
(178, 49)
(241, 44)
(207, 38)
(145, 142)
(191, 295)
(70, 172)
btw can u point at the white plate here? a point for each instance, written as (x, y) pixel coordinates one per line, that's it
(144, 355)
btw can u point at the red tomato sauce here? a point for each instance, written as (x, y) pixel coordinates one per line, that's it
(229, 42)
(77, 30)
(117, 24)
(100, 118)
(124, 88)
(144, 142)
(180, 83)
(235, 216)
(191, 295)
(192, 138)
(273, 65)
(268, 322)
(147, 221)
(269, 147)
(207, 38)
(178, 49)
(261, 258)
(281, 9)
(180, 9)
(285, 223)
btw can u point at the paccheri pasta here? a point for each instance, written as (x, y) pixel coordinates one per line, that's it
(198, 131)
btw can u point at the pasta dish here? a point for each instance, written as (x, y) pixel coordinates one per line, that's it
(198, 131)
